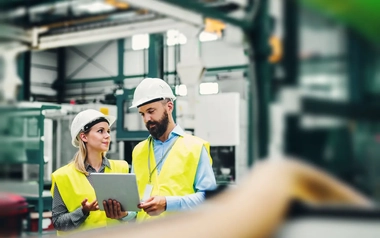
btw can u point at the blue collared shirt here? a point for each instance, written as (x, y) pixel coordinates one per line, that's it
(204, 177)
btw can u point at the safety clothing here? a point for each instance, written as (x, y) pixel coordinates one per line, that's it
(74, 187)
(82, 119)
(150, 89)
(178, 172)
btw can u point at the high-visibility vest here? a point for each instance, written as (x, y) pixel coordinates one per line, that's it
(177, 174)
(74, 187)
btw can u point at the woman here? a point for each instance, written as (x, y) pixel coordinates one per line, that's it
(74, 201)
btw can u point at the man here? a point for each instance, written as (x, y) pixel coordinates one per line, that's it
(173, 169)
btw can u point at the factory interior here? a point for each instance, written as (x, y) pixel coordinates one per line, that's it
(257, 79)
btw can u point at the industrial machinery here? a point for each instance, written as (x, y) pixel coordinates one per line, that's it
(246, 23)
(220, 120)
(22, 132)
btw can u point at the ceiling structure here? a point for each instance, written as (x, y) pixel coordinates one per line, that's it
(46, 24)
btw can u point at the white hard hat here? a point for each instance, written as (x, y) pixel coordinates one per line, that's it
(84, 118)
(150, 89)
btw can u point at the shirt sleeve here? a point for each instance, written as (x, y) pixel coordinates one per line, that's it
(63, 220)
(131, 215)
(204, 180)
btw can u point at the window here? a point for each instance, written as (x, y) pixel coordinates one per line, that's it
(174, 37)
(207, 36)
(208, 88)
(140, 42)
(181, 90)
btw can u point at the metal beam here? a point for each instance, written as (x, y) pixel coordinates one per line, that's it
(209, 72)
(120, 62)
(21, 3)
(259, 71)
(61, 72)
(196, 8)
(77, 81)
(108, 33)
(173, 10)
(291, 42)
(14, 33)
(23, 70)
(156, 56)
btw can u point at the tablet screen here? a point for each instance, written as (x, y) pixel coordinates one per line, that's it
(119, 186)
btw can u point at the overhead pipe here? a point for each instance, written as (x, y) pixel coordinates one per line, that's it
(109, 33)
(10, 32)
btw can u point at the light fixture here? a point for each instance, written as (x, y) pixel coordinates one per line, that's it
(181, 90)
(207, 36)
(208, 88)
(140, 41)
(95, 7)
(174, 37)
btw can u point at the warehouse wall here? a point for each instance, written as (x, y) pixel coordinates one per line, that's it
(91, 61)
(99, 60)
(104, 64)
(43, 73)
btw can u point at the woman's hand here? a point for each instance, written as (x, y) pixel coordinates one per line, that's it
(113, 209)
(87, 207)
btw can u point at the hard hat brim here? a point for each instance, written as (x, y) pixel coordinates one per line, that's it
(145, 102)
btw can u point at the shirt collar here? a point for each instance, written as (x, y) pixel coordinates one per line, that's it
(105, 162)
(178, 130)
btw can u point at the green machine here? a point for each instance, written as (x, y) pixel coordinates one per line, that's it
(23, 142)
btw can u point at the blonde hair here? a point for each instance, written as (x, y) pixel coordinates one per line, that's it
(81, 156)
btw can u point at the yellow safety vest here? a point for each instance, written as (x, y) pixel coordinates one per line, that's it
(177, 175)
(74, 187)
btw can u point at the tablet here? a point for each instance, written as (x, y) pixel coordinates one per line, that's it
(119, 186)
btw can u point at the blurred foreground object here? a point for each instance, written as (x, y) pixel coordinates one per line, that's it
(256, 208)
(330, 222)
(361, 15)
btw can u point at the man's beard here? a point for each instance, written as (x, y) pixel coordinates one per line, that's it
(160, 126)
